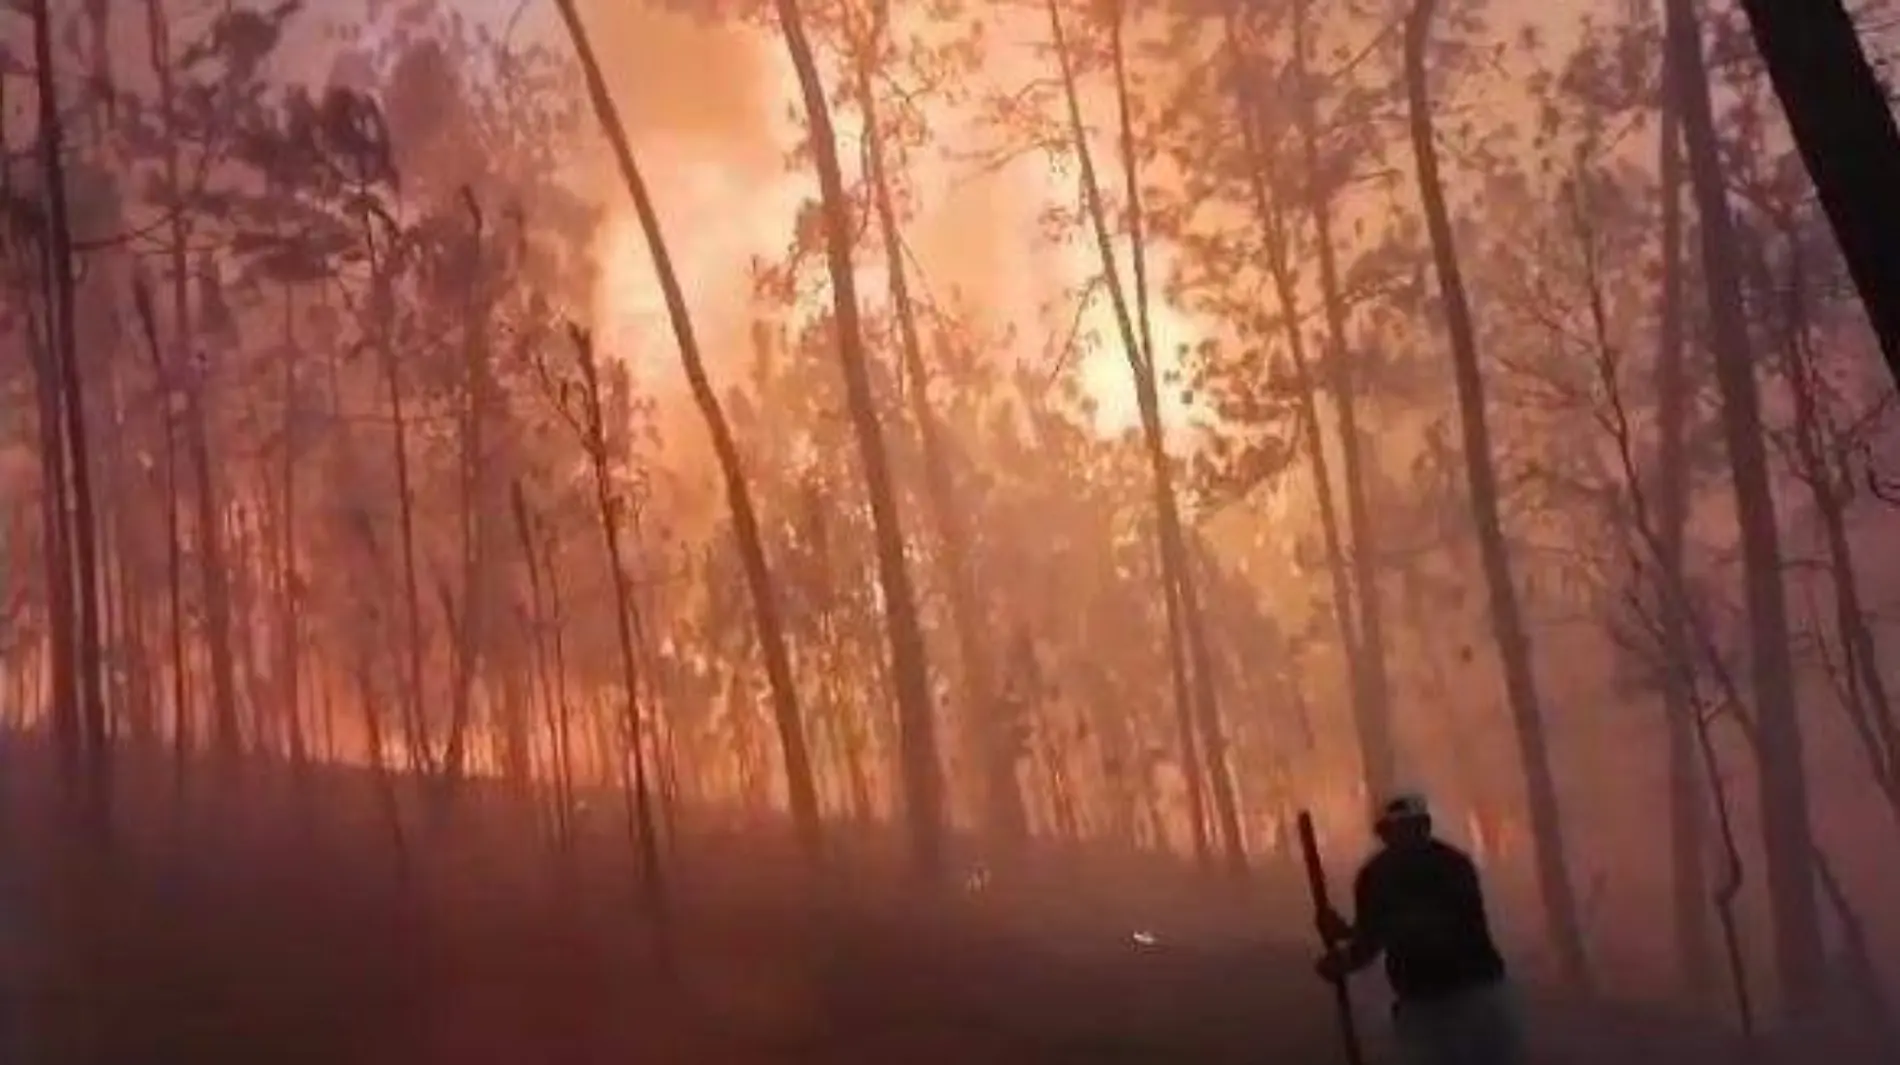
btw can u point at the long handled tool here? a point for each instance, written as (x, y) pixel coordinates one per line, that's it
(1322, 905)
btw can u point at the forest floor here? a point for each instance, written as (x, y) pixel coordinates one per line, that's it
(278, 929)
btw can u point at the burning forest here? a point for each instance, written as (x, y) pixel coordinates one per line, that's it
(864, 531)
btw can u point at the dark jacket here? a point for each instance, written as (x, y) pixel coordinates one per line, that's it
(1420, 905)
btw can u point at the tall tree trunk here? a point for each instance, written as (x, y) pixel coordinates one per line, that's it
(289, 603)
(1279, 267)
(1787, 835)
(1373, 705)
(992, 741)
(63, 350)
(213, 573)
(609, 509)
(559, 734)
(371, 704)
(1147, 390)
(1194, 779)
(767, 618)
(1844, 129)
(174, 548)
(1565, 925)
(920, 768)
(1688, 832)
(477, 389)
(1183, 600)
(557, 623)
(56, 555)
(415, 710)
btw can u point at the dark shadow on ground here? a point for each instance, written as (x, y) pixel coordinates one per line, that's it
(276, 930)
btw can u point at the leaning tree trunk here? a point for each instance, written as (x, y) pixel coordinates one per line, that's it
(1185, 618)
(921, 771)
(1147, 391)
(1844, 129)
(1688, 830)
(1373, 708)
(1507, 622)
(787, 716)
(1787, 835)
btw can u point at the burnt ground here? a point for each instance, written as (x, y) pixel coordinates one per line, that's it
(281, 930)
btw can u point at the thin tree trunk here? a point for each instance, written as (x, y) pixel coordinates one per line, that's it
(56, 551)
(558, 731)
(1565, 925)
(62, 332)
(290, 621)
(993, 742)
(1200, 656)
(557, 616)
(1193, 780)
(920, 769)
(213, 573)
(788, 717)
(1275, 238)
(379, 760)
(1864, 687)
(1687, 828)
(470, 631)
(1788, 842)
(174, 549)
(1373, 708)
(1182, 595)
(416, 724)
(608, 510)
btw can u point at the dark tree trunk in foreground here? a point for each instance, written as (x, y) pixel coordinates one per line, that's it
(1787, 836)
(1507, 622)
(788, 717)
(921, 772)
(1844, 129)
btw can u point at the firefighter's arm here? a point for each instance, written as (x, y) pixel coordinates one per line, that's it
(1360, 942)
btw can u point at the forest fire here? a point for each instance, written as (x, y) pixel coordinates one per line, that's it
(866, 530)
